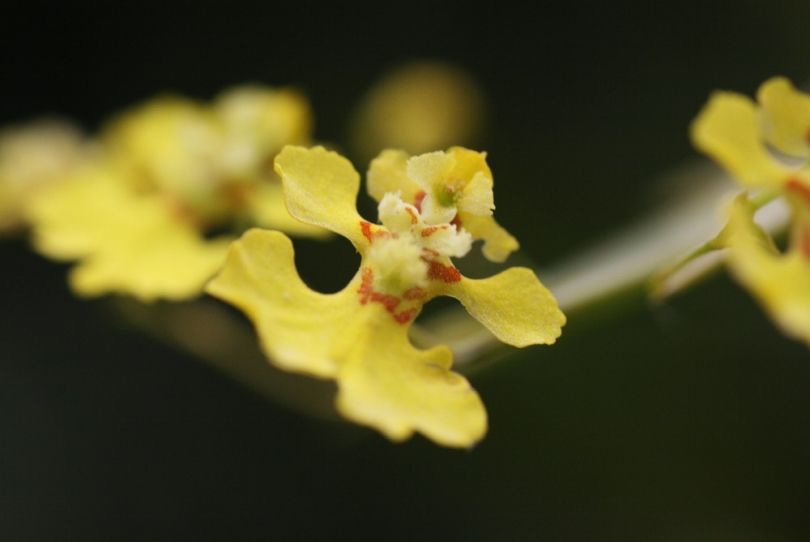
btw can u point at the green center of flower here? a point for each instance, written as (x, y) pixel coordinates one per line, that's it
(447, 194)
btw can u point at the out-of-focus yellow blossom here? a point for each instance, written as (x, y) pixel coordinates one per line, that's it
(418, 107)
(169, 174)
(359, 336)
(737, 133)
(453, 186)
(780, 282)
(33, 156)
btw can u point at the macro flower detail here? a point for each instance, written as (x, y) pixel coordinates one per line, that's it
(173, 180)
(359, 335)
(739, 134)
(453, 186)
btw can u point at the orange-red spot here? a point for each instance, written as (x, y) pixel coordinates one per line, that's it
(389, 301)
(412, 212)
(799, 188)
(442, 272)
(430, 230)
(366, 227)
(415, 293)
(405, 316)
(371, 232)
(417, 200)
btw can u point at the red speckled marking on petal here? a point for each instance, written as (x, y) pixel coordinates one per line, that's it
(390, 302)
(445, 273)
(415, 293)
(367, 292)
(371, 232)
(405, 316)
(412, 212)
(366, 227)
(430, 230)
(796, 186)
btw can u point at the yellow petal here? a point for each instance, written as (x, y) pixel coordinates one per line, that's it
(32, 157)
(383, 381)
(468, 163)
(128, 244)
(264, 118)
(268, 210)
(83, 214)
(513, 305)
(389, 385)
(162, 261)
(786, 114)
(781, 283)
(320, 188)
(431, 169)
(169, 142)
(300, 330)
(727, 129)
(498, 243)
(478, 198)
(388, 174)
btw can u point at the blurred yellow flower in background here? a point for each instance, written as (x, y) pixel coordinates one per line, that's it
(153, 214)
(766, 146)
(32, 157)
(418, 107)
(359, 336)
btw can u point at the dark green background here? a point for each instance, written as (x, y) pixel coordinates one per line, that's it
(685, 422)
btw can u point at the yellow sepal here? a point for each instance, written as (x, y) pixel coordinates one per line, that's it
(786, 115)
(513, 305)
(128, 244)
(728, 130)
(387, 174)
(498, 243)
(267, 209)
(320, 188)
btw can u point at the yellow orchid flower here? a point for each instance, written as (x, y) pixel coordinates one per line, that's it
(170, 173)
(737, 133)
(453, 186)
(359, 336)
(32, 157)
